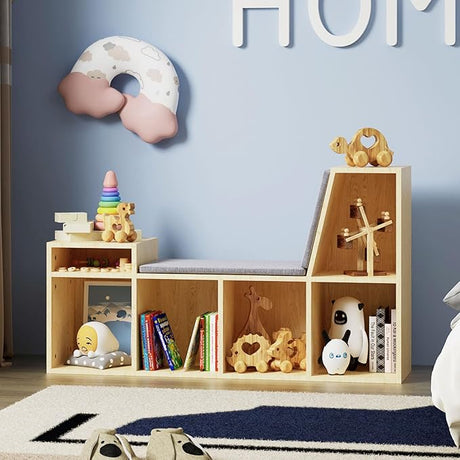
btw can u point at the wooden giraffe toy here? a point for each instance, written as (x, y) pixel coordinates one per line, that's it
(288, 353)
(253, 341)
(254, 324)
(357, 154)
(119, 226)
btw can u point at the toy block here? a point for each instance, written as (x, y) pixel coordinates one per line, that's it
(70, 217)
(78, 227)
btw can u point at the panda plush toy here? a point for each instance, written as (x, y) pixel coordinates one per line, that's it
(347, 314)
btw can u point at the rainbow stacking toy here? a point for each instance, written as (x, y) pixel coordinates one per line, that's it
(110, 199)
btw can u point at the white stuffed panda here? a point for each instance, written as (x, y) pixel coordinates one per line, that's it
(347, 314)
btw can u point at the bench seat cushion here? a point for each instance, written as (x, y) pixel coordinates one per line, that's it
(224, 267)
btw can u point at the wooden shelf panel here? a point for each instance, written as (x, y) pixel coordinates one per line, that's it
(341, 278)
(92, 275)
(80, 370)
(356, 377)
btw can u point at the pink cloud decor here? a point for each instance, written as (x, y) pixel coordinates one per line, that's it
(151, 114)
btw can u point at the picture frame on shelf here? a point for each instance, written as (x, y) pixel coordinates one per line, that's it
(110, 302)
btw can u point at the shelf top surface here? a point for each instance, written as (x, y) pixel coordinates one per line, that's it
(369, 169)
(98, 244)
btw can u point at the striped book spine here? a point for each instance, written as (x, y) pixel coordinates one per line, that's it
(380, 338)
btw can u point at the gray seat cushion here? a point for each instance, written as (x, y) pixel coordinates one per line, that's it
(315, 221)
(224, 267)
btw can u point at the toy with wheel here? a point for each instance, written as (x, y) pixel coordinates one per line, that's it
(250, 350)
(119, 226)
(287, 353)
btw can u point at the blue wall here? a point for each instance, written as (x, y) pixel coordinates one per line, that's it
(240, 179)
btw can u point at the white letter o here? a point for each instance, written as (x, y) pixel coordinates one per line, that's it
(340, 40)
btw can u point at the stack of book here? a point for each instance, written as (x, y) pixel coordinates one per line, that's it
(204, 343)
(382, 340)
(157, 339)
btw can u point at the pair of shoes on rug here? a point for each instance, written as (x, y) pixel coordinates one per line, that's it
(164, 444)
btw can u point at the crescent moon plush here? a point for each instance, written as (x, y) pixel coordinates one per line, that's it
(151, 114)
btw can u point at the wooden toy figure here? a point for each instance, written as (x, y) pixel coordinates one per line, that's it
(287, 352)
(367, 247)
(254, 324)
(356, 154)
(250, 350)
(119, 226)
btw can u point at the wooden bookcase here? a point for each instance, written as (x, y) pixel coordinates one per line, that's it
(302, 303)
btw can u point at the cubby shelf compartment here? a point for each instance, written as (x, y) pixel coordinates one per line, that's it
(373, 296)
(182, 300)
(288, 309)
(302, 303)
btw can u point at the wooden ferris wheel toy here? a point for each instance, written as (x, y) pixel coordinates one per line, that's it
(367, 246)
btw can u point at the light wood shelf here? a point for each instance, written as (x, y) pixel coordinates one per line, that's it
(302, 303)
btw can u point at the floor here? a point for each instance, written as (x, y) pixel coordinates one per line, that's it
(27, 376)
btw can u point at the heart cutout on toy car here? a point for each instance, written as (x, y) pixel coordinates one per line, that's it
(368, 142)
(250, 348)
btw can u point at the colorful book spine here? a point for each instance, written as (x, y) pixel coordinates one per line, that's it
(393, 339)
(388, 348)
(372, 344)
(207, 341)
(145, 359)
(202, 342)
(165, 333)
(212, 340)
(149, 332)
(157, 348)
(380, 339)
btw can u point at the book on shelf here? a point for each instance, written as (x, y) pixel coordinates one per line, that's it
(393, 338)
(388, 348)
(207, 341)
(152, 355)
(204, 343)
(382, 339)
(213, 341)
(165, 333)
(372, 344)
(194, 345)
(155, 348)
(145, 359)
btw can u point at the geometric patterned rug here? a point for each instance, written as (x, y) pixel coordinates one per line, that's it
(54, 423)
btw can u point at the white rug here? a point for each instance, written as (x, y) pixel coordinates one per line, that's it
(229, 424)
